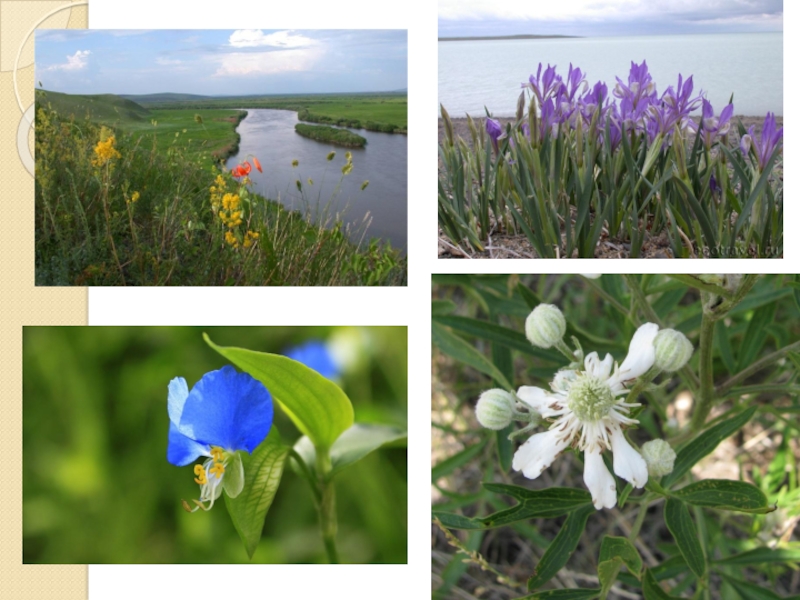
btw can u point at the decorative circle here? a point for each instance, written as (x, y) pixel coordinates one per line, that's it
(23, 148)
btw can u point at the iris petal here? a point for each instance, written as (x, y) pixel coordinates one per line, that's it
(228, 409)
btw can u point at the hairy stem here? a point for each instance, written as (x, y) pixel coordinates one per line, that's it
(756, 367)
(706, 394)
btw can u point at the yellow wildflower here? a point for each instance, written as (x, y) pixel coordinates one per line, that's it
(347, 168)
(295, 162)
(231, 240)
(249, 238)
(348, 156)
(134, 197)
(104, 151)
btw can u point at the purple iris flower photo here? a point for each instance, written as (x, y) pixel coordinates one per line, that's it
(763, 148)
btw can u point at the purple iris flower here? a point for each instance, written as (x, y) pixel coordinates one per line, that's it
(575, 81)
(545, 86)
(641, 90)
(770, 138)
(495, 130)
(714, 126)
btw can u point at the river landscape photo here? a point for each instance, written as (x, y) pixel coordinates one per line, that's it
(708, 71)
(247, 157)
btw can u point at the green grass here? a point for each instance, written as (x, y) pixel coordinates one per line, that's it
(214, 139)
(380, 109)
(340, 137)
(89, 231)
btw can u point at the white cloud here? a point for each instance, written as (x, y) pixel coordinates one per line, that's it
(168, 61)
(267, 63)
(77, 61)
(251, 38)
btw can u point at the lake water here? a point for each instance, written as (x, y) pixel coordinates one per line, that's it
(477, 73)
(269, 136)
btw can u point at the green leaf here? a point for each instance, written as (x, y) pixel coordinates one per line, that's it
(353, 445)
(456, 347)
(319, 407)
(682, 528)
(570, 594)
(495, 333)
(751, 591)
(262, 476)
(725, 494)
(704, 444)
(613, 547)
(651, 589)
(550, 502)
(561, 548)
(452, 463)
(442, 307)
(761, 556)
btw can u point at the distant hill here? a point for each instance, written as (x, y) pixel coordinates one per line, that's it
(163, 97)
(102, 108)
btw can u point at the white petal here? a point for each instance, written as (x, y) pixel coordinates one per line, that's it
(538, 453)
(537, 399)
(641, 353)
(598, 368)
(628, 463)
(599, 481)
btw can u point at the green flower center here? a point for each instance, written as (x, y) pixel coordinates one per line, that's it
(590, 398)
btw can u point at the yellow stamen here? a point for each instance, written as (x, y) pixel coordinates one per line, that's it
(201, 475)
(216, 453)
(218, 469)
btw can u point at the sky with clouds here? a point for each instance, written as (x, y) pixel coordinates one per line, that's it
(221, 62)
(607, 17)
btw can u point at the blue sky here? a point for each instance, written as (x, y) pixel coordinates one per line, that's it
(607, 17)
(221, 62)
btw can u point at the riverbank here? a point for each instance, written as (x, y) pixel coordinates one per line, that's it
(114, 208)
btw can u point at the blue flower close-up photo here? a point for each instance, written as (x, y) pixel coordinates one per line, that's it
(225, 412)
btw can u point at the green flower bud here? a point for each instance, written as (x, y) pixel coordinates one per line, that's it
(545, 326)
(673, 350)
(659, 456)
(495, 409)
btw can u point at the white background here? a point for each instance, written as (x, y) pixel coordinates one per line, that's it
(345, 306)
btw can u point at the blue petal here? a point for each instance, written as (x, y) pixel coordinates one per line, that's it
(178, 392)
(227, 409)
(182, 450)
(315, 355)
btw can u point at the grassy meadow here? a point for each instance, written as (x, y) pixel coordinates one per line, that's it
(134, 195)
(378, 112)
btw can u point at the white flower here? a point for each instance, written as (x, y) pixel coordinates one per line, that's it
(588, 411)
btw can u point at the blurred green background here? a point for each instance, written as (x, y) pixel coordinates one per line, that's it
(97, 487)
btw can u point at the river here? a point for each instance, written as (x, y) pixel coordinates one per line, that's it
(269, 135)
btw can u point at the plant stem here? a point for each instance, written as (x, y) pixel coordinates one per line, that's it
(307, 473)
(706, 394)
(637, 525)
(755, 367)
(327, 505)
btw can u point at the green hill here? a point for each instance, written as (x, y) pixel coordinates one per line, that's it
(164, 97)
(101, 108)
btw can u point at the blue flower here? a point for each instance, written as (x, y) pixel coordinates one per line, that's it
(224, 413)
(315, 355)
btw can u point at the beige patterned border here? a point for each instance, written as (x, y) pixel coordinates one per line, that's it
(22, 303)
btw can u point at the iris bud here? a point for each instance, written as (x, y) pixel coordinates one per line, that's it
(495, 409)
(659, 456)
(673, 350)
(545, 326)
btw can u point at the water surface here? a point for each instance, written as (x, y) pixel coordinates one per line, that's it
(270, 136)
(474, 74)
